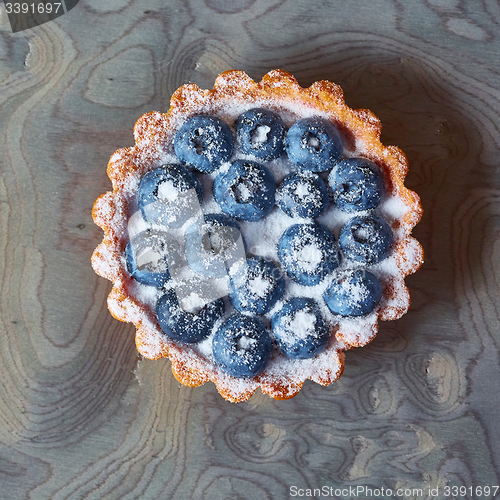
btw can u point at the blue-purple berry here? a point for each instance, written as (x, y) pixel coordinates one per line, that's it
(366, 240)
(299, 329)
(184, 326)
(314, 144)
(204, 142)
(241, 346)
(308, 253)
(246, 191)
(161, 192)
(353, 293)
(256, 286)
(303, 194)
(261, 133)
(356, 185)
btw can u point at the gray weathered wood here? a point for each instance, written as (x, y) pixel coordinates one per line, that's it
(81, 416)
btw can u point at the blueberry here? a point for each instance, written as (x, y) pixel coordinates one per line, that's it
(166, 195)
(366, 239)
(214, 245)
(204, 142)
(149, 273)
(353, 293)
(241, 346)
(299, 329)
(246, 191)
(313, 144)
(261, 133)
(256, 287)
(186, 326)
(308, 253)
(303, 194)
(356, 184)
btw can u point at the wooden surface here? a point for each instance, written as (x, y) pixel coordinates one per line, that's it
(81, 416)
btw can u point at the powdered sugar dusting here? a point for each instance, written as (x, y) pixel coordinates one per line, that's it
(154, 147)
(259, 137)
(259, 286)
(167, 191)
(302, 324)
(192, 302)
(309, 257)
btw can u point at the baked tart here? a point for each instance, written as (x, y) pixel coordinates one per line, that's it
(255, 232)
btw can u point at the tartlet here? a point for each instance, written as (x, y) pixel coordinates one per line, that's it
(315, 248)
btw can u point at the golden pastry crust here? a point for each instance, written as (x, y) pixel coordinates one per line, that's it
(154, 133)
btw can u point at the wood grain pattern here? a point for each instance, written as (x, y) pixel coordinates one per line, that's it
(81, 416)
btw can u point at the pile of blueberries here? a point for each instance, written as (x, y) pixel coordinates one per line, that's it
(307, 250)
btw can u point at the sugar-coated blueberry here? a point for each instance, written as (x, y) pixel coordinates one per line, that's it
(213, 245)
(257, 286)
(299, 329)
(204, 142)
(261, 133)
(356, 184)
(366, 240)
(241, 346)
(246, 191)
(146, 275)
(161, 191)
(185, 326)
(303, 194)
(313, 144)
(353, 293)
(308, 253)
